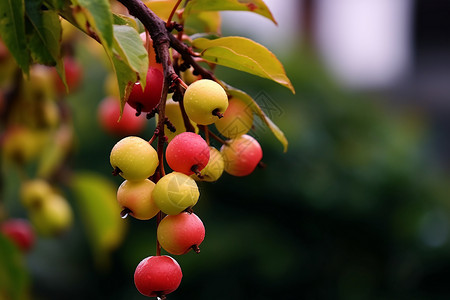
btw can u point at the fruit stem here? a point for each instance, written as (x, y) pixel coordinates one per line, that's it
(169, 20)
(116, 171)
(159, 217)
(216, 112)
(125, 212)
(196, 249)
(214, 136)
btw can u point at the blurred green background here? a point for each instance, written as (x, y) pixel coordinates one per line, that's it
(357, 208)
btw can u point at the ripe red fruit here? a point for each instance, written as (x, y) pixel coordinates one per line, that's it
(178, 234)
(145, 101)
(187, 153)
(156, 276)
(109, 113)
(241, 155)
(151, 51)
(20, 232)
(73, 71)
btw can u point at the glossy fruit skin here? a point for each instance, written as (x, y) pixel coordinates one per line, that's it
(109, 113)
(187, 152)
(135, 157)
(157, 275)
(53, 217)
(173, 113)
(237, 119)
(147, 99)
(241, 155)
(20, 232)
(178, 234)
(137, 197)
(214, 169)
(202, 98)
(175, 192)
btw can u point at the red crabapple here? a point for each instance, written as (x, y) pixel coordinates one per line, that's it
(175, 192)
(187, 153)
(134, 158)
(157, 276)
(151, 51)
(109, 113)
(73, 73)
(20, 232)
(136, 198)
(241, 155)
(178, 234)
(237, 119)
(205, 101)
(147, 99)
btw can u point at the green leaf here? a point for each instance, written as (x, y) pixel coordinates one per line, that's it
(45, 36)
(12, 31)
(96, 199)
(207, 21)
(14, 278)
(245, 55)
(131, 61)
(260, 113)
(126, 78)
(256, 6)
(95, 17)
(130, 48)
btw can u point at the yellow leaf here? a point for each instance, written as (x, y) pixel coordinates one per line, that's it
(245, 55)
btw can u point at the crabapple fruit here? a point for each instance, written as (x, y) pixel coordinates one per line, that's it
(175, 192)
(188, 76)
(178, 234)
(213, 169)
(241, 155)
(173, 113)
(134, 158)
(156, 276)
(187, 153)
(147, 99)
(34, 192)
(205, 101)
(151, 51)
(136, 198)
(73, 72)
(237, 119)
(53, 217)
(109, 113)
(20, 232)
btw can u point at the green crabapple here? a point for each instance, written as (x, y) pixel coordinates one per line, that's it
(135, 197)
(175, 192)
(213, 169)
(52, 217)
(241, 155)
(205, 101)
(180, 233)
(134, 158)
(237, 119)
(173, 113)
(187, 153)
(157, 276)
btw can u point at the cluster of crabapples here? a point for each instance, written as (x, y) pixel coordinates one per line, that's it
(148, 191)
